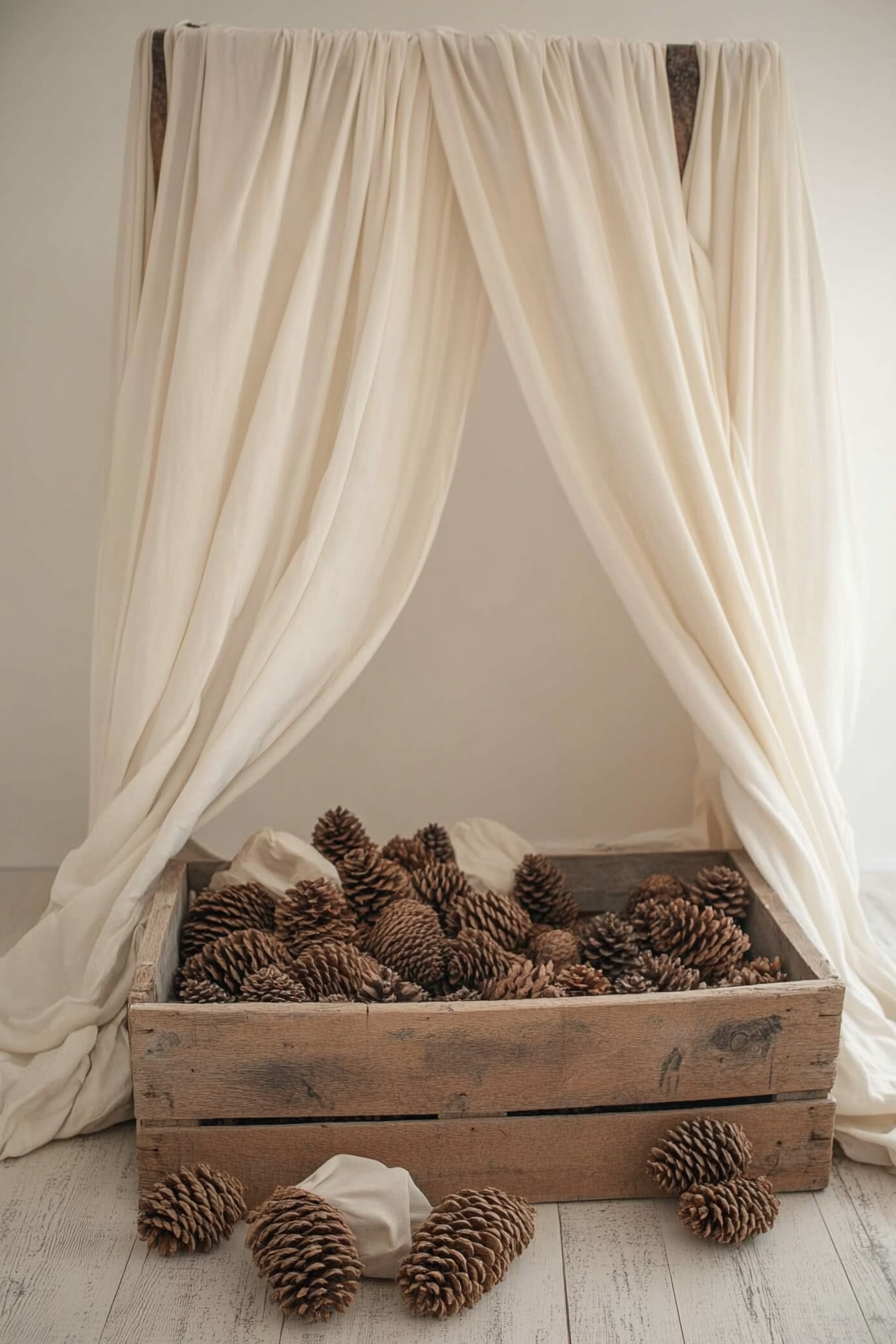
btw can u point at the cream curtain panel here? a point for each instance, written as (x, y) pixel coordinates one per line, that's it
(293, 387)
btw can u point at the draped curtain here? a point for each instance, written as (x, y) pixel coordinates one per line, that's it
(292, 392)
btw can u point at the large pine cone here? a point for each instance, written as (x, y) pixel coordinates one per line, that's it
(437, 842)
(731, 1211)
(560, 946)
(698, 1151)
(311, 911)
(370, 883)
(634, 982)
(408, 938)
(668, 973)
(388, 987)
(654, 891)
(759, 971)
(500, 916)
(306, 1251)
(698, 936)
(338, 832)
(463, 1249)
(540, 889)
(190, 1210)
(608, 941)
(474, 957)
(216, 913)
(581, 980)
(407, 851)
(272, 985)
(325, 969)
(440, 885)
(229, 960)
(524, 981)
(725, 890)
(203, 991)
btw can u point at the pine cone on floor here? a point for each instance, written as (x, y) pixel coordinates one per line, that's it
(725, 890)
(437, 842)
(229, 960)
(731, 1211)
(654, 891)
(311, 911)
(524, 981)
(388, 987)
(759, 971)
(324, 969)
(559, 946)
(338, 832)
(190, 1210)
(500, 916)
(608, 941)
(540, 889)
(463, 1249)
(408, 938)
(370, 883)
(698, 936)
(668, 973)
(699, 1151)
(440, 885)
(203, 991)
(578, 981)
(634, 982)
(474, 957)
(306, 1251)
(407, 851)
(213, 914)
(272, 985)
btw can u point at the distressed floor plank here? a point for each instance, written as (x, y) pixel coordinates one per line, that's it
(859, 1210)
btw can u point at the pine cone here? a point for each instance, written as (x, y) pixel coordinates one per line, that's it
(324, 969)
(463, 1249)
(560, 946)
(190, 1210)
(668, 973)
(338, 832)
(306, 1251)
(498, 915)
(388, 987)
(698, 936)
(203, 991)
(577, 981)
(272, 985)
(698, 1151)
(229, 960)
(311, 911)
(540, 889)
(731, 1211)
(609, 942)
(474, 957)
(370, 883)
(759, 971)
(725, 890)
(437, 842)
(462, 995)
(408, 852)
(653, 892)
(524, 981)
(634, 982)
(213, 914)
(408, 938)
(439, 885)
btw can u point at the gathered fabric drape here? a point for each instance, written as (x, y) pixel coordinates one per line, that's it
(296, 363)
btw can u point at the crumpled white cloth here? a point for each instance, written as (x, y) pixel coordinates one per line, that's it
(488, 853)
(277, 860)
(382, 1206)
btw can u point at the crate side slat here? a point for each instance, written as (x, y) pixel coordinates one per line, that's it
(773, 928)
(157, 958)
(604, 881)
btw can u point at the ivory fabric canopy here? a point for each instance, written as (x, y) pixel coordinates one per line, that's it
(300, 318)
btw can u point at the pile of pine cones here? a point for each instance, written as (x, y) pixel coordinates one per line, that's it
(406, 926)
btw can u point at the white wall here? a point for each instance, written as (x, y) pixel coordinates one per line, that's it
(513, 685)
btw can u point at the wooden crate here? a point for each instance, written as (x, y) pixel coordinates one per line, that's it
(556, 1099)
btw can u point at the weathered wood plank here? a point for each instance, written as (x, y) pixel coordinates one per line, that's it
(158, 954)
(546, 1158)
(859, 1211)
(604, 881)
(774, 931)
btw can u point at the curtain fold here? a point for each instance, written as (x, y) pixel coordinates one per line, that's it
(293, 375)
(670, 374)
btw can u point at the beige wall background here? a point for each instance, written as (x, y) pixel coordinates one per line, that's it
(513, 685)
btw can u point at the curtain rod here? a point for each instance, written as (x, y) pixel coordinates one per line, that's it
(682, 73)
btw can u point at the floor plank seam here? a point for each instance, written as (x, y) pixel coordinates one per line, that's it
(569, 1339)
(127, 1261)
(662, 1238)
(848, 1193)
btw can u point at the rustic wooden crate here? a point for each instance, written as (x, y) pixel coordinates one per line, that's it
(557, 1099)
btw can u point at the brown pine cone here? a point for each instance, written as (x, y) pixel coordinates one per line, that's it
(463, 1249)
(500, 916)
(474, 957)
(407, 851)
(653, 892)
(462, 995)
(759, 971)
(388, 987)
(524, 981)
(437, 843)
(668, 973)
(213, 914)
(698, 1151)
(311, 911)
(698, 936)
(408, 938)
(338, 832)
(731, 1211)
(272, 985)
(560, 946)
(203, 991)
(439, 885)
(725, 890)
(634, 982)
(332, 968)
(577, 981)
(190, 1210)
(608, 941)
(370, 883)
(540, 889)
(306, 1251)
(229, 960)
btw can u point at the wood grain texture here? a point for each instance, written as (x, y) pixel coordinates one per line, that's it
(66, 1229)
(546, 1158)
(775, 932)
(158, 954)
(859, 1212)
